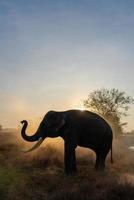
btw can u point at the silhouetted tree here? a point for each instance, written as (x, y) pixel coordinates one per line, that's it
(111, 104)
(0, 127)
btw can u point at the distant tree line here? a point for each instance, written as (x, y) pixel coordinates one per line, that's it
(0, 127)
(111, 104)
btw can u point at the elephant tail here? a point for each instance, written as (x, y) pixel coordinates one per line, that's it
(112, 155)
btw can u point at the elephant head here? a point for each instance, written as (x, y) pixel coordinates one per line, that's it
(49, 127)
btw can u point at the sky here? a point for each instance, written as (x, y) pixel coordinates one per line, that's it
(53, 53)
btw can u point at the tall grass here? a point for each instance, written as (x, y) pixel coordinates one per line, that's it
(39, 175)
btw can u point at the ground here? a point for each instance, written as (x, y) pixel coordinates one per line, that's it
(39, 175)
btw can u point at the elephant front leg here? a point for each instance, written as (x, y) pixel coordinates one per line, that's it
(70, 159)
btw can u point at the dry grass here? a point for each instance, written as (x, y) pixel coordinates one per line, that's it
(39, 175)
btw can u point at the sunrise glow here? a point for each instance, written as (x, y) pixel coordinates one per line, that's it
(52, 55)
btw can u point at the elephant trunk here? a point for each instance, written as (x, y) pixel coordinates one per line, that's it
(33, 138)
(26, 137)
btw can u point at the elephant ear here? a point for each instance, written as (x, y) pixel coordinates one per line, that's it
(55, 120)
(60, 125)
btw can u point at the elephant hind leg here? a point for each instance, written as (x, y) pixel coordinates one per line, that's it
(100, 160)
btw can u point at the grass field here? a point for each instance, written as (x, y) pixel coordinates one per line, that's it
(39, 175)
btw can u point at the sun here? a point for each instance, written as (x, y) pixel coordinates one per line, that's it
(80, 107)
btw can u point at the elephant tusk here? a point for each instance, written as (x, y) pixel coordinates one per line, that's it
(35, 146)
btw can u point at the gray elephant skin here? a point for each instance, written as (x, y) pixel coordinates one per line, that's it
(77, 128)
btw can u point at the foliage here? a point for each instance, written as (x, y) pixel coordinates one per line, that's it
(111, 104)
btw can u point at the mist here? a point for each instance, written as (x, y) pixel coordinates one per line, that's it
(42, 170)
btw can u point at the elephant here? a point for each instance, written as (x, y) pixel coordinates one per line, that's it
(77, 128)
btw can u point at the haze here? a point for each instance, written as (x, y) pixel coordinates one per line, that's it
(54, 53)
